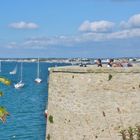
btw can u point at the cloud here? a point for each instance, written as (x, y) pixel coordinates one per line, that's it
(98, 37)
(124, 34)
(133, 22)
(73, 41)
(12, 45)
(23, 25)
(91, 32)
(96, 26)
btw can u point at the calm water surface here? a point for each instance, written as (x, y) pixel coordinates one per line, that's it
(26, 105)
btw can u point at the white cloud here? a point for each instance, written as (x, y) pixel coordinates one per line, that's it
(98, 37)
(12, 45)
(23, 25)
(133, 22)
(68, 41)
(96, 26)
(124, 34)
(91, 32)
(51, 41)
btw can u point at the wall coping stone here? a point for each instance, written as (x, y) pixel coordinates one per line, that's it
(93, 69)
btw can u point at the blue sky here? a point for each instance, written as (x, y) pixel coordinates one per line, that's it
(74, 28)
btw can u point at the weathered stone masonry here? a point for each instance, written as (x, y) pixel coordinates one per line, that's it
(83, 103)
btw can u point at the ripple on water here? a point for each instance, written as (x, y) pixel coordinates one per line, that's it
(27, 105)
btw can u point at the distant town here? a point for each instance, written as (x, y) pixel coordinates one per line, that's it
(72, 61)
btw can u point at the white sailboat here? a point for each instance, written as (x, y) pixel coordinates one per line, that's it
(20, 84)
(14, 71)
(38, 79)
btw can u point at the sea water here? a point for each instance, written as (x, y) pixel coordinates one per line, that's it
(26, 105)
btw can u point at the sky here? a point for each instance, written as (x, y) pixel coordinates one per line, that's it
(66, 29)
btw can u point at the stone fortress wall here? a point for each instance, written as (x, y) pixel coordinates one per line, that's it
(92, 103)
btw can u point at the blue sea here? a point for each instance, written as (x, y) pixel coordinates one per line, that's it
(26, 106)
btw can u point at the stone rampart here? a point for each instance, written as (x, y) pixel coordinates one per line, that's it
(92, 103)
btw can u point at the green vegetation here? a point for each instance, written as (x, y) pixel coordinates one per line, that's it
(48, 137)
(51, 119)
(3, 111)
(123, 134)
(138, 132)
(3, 114)
(109, 77)
(1, 93)
(130, 133)
(5, 81)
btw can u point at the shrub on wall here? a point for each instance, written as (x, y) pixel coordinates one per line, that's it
(51, 119)
(3, 111)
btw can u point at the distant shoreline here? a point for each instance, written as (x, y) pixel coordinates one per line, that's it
(72, 61)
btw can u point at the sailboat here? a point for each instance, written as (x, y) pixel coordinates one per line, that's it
(14, 71)
(38, 80)
(20, 84)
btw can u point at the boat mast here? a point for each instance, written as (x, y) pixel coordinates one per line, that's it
(21, 73)
(15, 68)
(38, 69)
